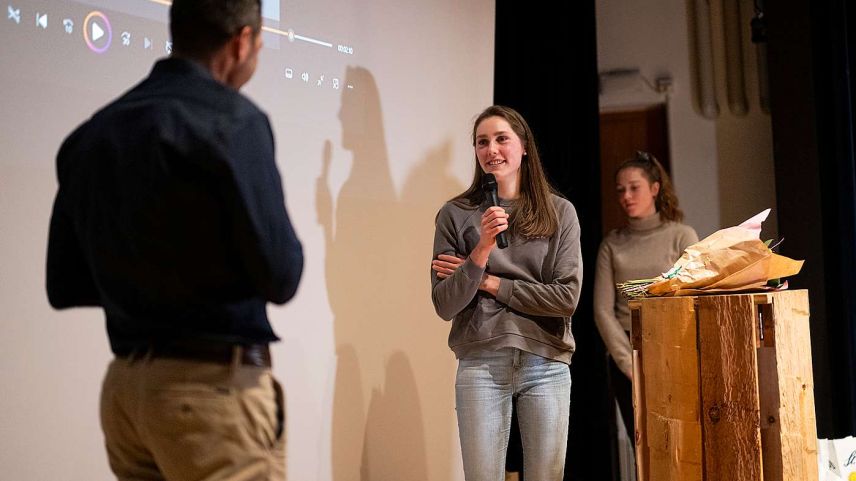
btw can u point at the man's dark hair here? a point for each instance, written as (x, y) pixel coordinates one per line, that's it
(201, 27)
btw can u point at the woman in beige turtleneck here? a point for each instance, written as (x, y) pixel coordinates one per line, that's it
(647, 246)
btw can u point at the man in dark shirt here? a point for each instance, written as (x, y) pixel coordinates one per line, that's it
(170, 215)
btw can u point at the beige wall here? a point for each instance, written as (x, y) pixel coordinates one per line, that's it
(745, 143)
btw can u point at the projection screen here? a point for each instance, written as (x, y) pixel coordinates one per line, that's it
(371, 102)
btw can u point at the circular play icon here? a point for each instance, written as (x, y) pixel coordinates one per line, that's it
(97, 32)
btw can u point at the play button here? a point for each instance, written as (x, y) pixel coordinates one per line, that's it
(97, 32)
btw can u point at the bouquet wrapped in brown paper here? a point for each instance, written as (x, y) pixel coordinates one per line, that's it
(729, 260)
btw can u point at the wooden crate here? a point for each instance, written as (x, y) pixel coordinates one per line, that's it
(722, 388)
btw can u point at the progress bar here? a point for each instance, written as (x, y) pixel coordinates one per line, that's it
(288, 34)
(291, 35)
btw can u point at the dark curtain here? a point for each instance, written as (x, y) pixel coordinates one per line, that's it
(546, 68)
(812, 56)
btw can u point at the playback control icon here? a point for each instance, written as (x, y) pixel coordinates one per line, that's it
(97, 32)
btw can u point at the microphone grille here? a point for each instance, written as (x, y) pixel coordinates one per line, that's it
(488, 182)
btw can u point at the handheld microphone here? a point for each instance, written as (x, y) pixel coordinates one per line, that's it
(488, 184)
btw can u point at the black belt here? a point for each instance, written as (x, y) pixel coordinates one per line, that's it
(250, 355)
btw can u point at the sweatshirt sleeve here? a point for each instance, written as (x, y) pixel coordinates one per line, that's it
(610, 329)
(558, 298)
(452, 294)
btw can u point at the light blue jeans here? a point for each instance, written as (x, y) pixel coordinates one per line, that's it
(485, 385)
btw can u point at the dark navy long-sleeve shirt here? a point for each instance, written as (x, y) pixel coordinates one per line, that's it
(170, 215)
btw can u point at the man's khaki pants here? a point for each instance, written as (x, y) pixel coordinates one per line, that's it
(180, 420)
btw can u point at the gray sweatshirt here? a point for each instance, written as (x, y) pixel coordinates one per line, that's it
(539, 285)
(645, 248)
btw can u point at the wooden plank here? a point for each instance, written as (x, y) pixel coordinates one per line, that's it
(672, 434)
(729, 388)
(762, 298)
(768, 390)
(797, 428)
(638, 383)
(765, 317)
(635, 328)
(639, 417)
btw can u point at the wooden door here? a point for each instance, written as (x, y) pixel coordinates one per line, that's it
(622, 133)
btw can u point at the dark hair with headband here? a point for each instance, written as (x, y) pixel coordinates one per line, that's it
(666, 202)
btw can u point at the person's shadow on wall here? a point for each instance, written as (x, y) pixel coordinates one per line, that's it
(376, 268)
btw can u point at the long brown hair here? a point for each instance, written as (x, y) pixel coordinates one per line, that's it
(534, 214)
(666, 202)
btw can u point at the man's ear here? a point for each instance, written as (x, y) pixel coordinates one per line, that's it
(243, 44)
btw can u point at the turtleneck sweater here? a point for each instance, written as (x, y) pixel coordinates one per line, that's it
(644, 248)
